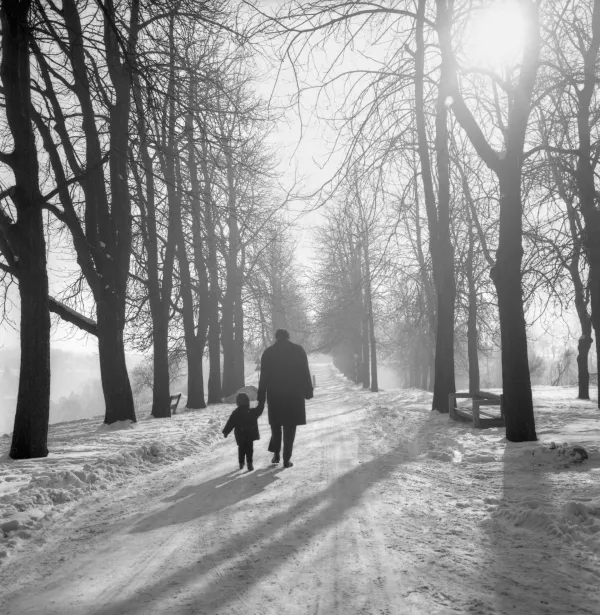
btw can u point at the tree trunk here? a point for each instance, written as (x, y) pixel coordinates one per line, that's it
(438, 217)
(196, 352)
(158, 298)
(472, 335)
(585, 175)
(214, 352)
(113, 369)
(194, 344)
(159, 293)
(277, 309)
(374, 378)
(586, 340)
(369, 310)
(230, 378)
(214, 329)
(583, 351)
(195, 399)
(22, 242)
(444, 382)
(431, 370)
(30, 432)
(593, 241)
(366, 380)
(227, 343)
(472, 344)
(573, 266)
(506, 275)
(161, 394)
(518, 403)
(238, 329)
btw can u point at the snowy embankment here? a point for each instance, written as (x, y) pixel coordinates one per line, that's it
(548, 487)
(87, 457)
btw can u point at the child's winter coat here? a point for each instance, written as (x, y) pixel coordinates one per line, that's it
(244, 422)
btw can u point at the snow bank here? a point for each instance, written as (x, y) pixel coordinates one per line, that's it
(87, 457)
(549, 487)
(575, 522)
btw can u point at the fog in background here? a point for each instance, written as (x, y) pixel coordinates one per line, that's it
(76, 392)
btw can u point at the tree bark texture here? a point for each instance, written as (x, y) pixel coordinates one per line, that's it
(506, 275)
(30, 431)
(113, 368)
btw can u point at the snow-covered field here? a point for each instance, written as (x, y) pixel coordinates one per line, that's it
(389, 509)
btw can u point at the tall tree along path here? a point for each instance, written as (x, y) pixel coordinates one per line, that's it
(366, 522)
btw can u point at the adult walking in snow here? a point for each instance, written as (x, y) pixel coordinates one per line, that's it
(285, 383)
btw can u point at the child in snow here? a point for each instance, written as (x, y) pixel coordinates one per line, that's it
(244, 420)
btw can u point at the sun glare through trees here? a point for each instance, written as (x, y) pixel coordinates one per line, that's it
(494, 35)
(376, 221)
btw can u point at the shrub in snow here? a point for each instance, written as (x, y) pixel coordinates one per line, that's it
(563, 454)
(576, 452)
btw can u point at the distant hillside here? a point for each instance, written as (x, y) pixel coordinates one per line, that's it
(75, 390)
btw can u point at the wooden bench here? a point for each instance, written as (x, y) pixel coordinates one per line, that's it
(480, 418)
(174, 403)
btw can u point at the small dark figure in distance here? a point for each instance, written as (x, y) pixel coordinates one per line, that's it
(285, 383)
(244, 423)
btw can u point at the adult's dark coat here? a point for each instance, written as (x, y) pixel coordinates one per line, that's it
(244, 422)
(285, 383)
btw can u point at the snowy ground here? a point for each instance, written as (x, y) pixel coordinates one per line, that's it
(389, 509)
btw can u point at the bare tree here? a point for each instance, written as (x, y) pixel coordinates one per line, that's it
(506, 274)
(22, 241)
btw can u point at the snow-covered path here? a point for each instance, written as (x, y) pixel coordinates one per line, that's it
(372, 519)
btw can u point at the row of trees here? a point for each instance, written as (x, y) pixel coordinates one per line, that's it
(135, 126)
(493, 165)
(343, 285)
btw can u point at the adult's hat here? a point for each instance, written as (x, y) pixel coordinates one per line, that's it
(282, 334)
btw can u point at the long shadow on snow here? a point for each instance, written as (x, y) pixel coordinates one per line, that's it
(195, 501)
(537, 557)
(260, 561)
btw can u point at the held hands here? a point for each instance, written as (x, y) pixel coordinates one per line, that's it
(260, 406)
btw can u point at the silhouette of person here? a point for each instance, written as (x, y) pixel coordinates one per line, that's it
(285, 383)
